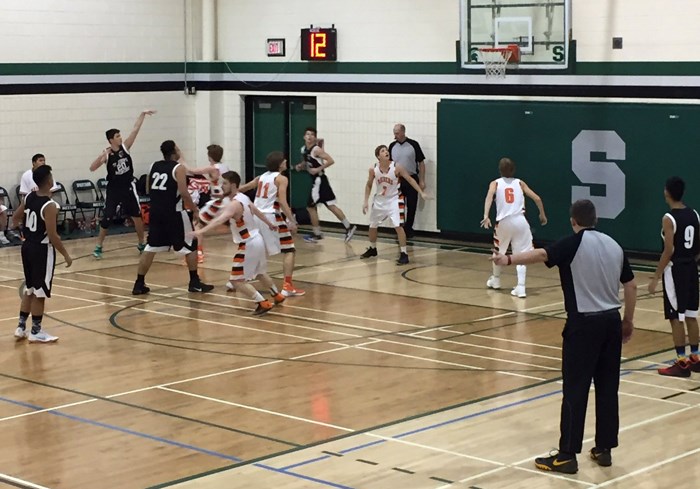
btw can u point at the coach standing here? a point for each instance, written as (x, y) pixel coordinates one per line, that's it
(407, 153)
(591, 267)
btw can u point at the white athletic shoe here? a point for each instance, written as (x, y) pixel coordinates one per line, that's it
(42, 337)
(20, 334)
(230, 286)
(349, 233)
(493, 282)
(519, 291)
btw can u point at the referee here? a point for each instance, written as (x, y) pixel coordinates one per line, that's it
(407, 153)
(591, 267)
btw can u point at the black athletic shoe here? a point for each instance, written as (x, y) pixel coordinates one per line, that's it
(602, 456)
(554, 464)
(200, 287)
(403, 259)
(140, 289)
(369, 253)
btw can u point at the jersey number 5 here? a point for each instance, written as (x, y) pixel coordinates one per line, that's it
(159, 180)
(510, 195)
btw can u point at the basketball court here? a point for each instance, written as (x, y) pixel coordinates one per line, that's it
(379, 377)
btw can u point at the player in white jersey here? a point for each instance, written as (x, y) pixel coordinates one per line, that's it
(249, 261)
(271, 200)
(388, 202)
(511, 229)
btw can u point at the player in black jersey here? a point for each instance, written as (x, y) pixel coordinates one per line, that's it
(316, 160)
(39, 214)
(679, 268)
(121, 188)
(170, 222)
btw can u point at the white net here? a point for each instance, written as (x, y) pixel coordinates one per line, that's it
(495, 61)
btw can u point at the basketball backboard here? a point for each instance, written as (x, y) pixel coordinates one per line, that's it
(541, 28)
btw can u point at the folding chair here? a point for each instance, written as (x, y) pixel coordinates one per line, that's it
(18, 195)
(102, 187)
(61, 196)
(87, 198)
(5, 200)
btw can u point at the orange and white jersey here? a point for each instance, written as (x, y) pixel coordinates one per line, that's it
(510, 199)
(216, 189)
(266, 195)
(244, 228)
(388, 190)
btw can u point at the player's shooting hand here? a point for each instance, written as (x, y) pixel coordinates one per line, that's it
(149, 111)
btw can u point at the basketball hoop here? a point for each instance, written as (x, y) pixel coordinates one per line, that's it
(496, 59)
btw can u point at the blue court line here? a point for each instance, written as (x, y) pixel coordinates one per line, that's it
(168, 442)
(444, 423)
(431, 427)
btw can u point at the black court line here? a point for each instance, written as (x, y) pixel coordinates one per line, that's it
(375, 428)
(405, 276)
(147, 409)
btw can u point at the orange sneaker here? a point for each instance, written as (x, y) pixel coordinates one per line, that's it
(279, 298)
(288, 290)
(680, 368)
(694, 361)
(263, 308)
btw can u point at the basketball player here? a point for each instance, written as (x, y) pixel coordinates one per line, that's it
(121, 189)
(26, 183)
(3, 225)
(249, 262)
(206, 192)
(511, 226)
(388, 202)
(679, 269)
(271, 200)
(170, 224)
(39, 214)
(316, 161)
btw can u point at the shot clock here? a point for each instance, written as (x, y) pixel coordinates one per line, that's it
(319, 44)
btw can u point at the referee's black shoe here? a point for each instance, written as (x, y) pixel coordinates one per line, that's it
(557, 463)
(602, 456)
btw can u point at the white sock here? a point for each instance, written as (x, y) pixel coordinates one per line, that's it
(403, 249)
(522, 272)
(257, 297)
(346, 223)
(372, 244)
(496, 271)
(317, 230)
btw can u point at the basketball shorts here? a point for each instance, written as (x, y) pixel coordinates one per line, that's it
(249, 260)
(394, 210)
(681, 290)
(171, 231)
(321, 192)
(279, 240)
(125, 197)
(38, 261)
(513, 231)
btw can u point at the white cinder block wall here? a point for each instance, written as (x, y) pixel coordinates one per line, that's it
(69, 128)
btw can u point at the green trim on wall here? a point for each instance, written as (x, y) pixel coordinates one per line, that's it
(636, 68)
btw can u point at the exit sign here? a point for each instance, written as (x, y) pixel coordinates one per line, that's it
(275, 47)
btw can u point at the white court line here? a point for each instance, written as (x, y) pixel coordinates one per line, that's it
(663, 387)
(59, 310)
(510, 352)
(286, 306)
(192, 379)
(20, 482)
(649, 467)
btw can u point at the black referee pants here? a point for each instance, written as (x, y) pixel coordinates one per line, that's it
(411, 198)
(591, 351)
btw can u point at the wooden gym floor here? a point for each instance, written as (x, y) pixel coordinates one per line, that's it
(380, 377)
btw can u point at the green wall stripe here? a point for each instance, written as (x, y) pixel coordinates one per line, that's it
(360, 68)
